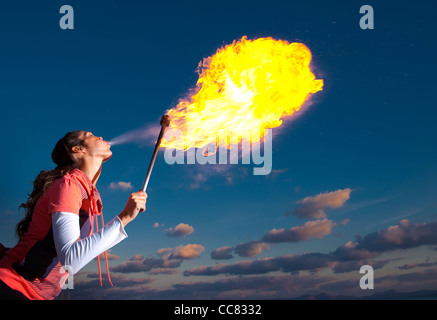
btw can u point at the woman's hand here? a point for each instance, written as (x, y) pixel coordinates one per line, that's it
(135, 204)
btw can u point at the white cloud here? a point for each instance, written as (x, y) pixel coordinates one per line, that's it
(181, 230)
(190, 251)
(315, 206)
(120, 185)
(251, 249)
(311, 229)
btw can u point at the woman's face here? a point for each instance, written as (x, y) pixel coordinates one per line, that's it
(96, 146)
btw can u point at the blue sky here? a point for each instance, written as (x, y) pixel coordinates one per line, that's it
(369, 136)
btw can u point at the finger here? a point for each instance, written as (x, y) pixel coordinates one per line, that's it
(142, 197)
(140, 202)
(139, 195)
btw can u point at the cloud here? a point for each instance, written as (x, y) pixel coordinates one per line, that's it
(427, 276)
(415, 265)
(120, 185)
(163, 271)
(88, 288)
(169, 258)
(251, 275)
(348, 266)
(189, 251)
(314, 207)
(401, 236)
(345, 221)
(139, 263)
(201, 176)
(287, 263)
(346, 257)
(222, 253)
(302, 286)
(180, 230)
(122, 280)
(251, 280)
(311, 229)
(404, 235)
(312, 262)
(251, 249)
(198, 180)
(109, 255)
(349, 251)
(252, 287)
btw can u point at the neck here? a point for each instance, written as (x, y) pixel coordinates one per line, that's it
(92, 169)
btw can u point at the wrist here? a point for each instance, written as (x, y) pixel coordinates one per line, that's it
(124, 220)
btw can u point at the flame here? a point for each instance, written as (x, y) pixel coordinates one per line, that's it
(247, 85)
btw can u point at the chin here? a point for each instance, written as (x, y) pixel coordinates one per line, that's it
(108, 156)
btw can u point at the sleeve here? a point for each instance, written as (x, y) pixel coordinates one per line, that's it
(76, 252)
(64, 196)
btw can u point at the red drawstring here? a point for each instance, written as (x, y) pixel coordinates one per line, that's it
(106, 256)
(95, 208)
(98, 258)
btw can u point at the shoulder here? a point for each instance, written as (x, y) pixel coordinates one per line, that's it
(74, 178)
(67, 181)
(65, 194)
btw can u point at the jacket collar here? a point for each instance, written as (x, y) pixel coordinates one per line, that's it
(84, 180)
(93, 194)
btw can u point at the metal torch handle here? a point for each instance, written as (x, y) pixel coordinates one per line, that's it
(164, 125)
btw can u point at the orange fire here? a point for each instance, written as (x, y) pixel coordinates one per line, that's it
(247, 86)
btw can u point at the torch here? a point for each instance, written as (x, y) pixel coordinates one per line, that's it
(165, 122)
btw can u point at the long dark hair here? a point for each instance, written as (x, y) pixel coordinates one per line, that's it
(62, 157)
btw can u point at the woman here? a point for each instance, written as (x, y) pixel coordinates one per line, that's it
(57, 233)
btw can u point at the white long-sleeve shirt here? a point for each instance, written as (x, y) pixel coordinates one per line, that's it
(76, 250)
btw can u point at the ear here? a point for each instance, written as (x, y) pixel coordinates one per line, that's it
(77, 149)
